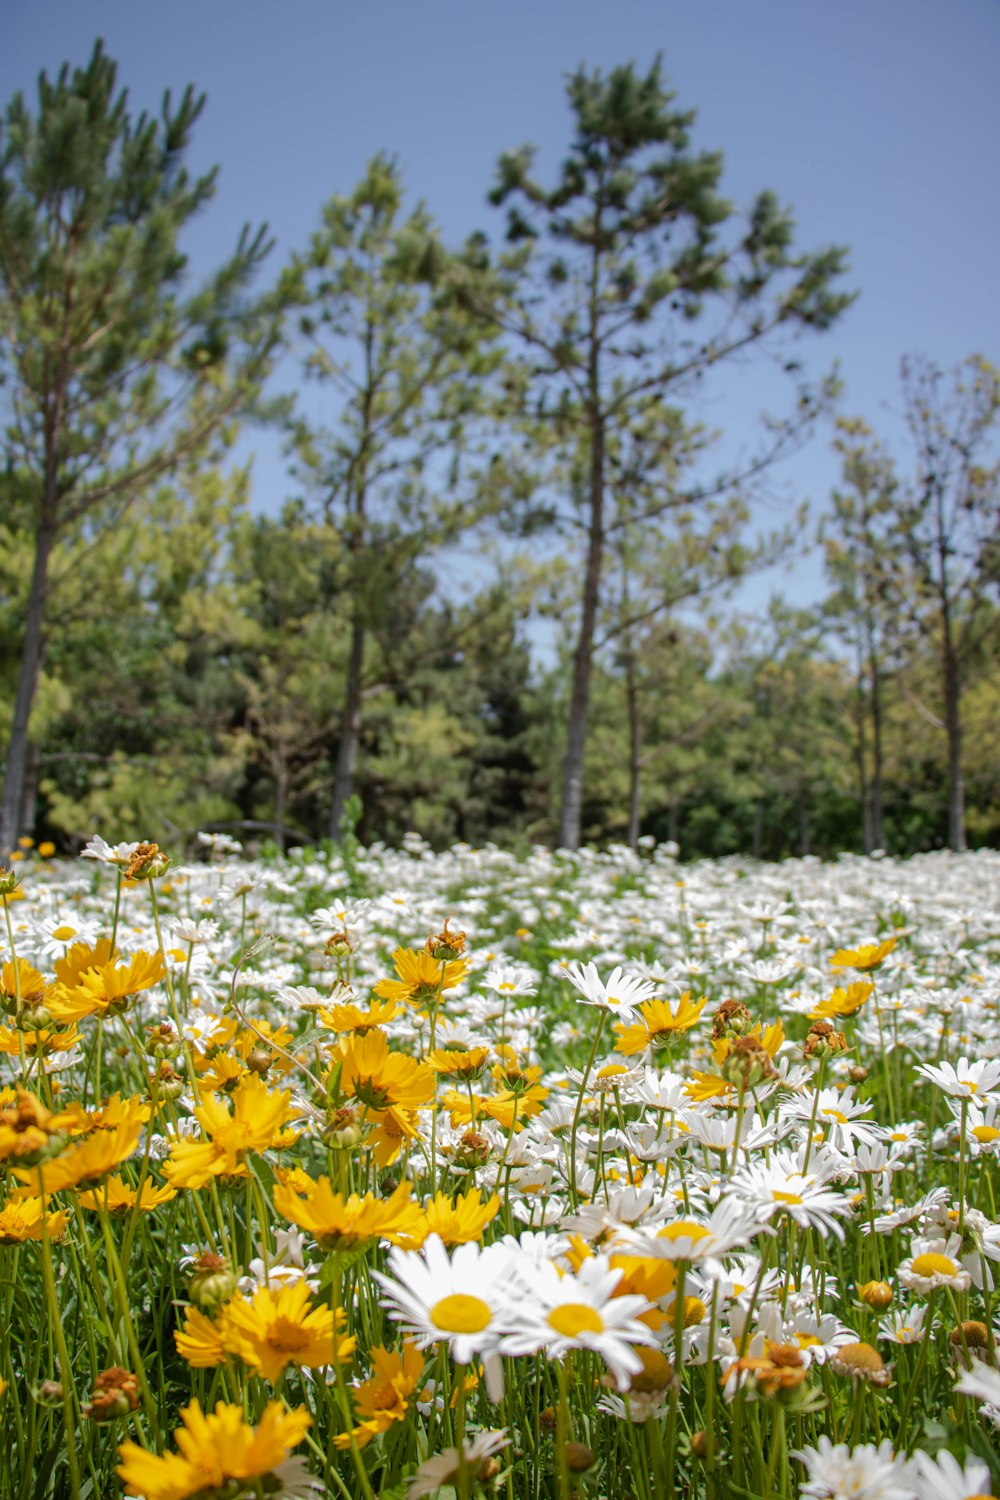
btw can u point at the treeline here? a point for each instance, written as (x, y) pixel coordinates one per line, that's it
(498, 605)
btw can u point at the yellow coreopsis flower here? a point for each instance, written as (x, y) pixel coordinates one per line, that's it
(18, 975)
(258, 1116)
(43, 1042)
(102, 988)
(87, 1163)
(420, 976)
(867, 957)
(378, 1077)
(383, 1399)
(460, 1063)
(347, 1017)
(200, 1341)
(660, 1021)
(116, 1196)
(353, 1223)
(214, 1448)
(24, 1218)
(391, 1128)
(843, 1002)
(276, 1329)
(459, 1222)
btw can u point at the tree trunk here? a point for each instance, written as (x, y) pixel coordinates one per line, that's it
(878, 806)
(571, 813)
(29, 797)
(864, 784)
(634, 748)
(32, 653)
(350, 730)
(674, 821)
(953, 726)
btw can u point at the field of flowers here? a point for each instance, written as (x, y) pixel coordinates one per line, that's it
(394, 1173)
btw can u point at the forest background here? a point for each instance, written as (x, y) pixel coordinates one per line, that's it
(499, 531)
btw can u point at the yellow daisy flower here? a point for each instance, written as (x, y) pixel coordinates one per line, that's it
(420, 976)
(867, 957)
(459, 1222)
(117, 1196)
(280, 1328)
(102, 988)
(660, 1021)
(23, 1218)
(350, 1224)
(843, 1002)
(379, 1077)
(214, 1448)
(383, 1399)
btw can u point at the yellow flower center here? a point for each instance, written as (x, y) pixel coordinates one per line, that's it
(785, 1197)
(287, 1336)
(460, 1313)
(683, 1229)
(613, 1070)
(806, 1340)
(835, 1114)
(64, 933)
(933, 1264)
(985, 1133)
(574, 1318)
(967, 1083)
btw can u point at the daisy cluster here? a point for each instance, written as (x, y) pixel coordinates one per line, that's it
(392, 1170)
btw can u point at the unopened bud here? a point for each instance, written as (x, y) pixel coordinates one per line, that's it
(579, 1458)
(876, 1295)
(211, 1283)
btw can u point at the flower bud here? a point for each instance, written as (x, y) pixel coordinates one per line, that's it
(211, 1282)
(579, 1458)
(876, 1295)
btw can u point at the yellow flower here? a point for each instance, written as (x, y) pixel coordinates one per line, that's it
(460, 1063)
(420, 976)
(867, 957)
(200, 1341)
(383, 1398)
(18, 974)
(277, 1329)
(346, 1224)
(103, 987)
(843, 1002)
(35, 1042)
(23, 1218)
(390, 1128)
(88, 1163)
(459, 1222)
(213, 1449)
(378, 1077)
(257, 1118)
(352, 1018)
(659, 1022)
(118, 1197)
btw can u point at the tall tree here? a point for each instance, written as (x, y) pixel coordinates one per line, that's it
(404, 362)
(635, 261)
(861, 553)
(949, 522)
(109, 374)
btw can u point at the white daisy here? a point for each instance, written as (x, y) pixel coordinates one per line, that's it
(620, 994)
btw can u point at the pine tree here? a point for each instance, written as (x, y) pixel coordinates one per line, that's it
(639, 292)
(110, 374)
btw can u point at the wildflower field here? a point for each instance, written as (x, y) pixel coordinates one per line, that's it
(395, 1173)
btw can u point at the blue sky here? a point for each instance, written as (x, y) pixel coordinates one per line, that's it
(874, 119)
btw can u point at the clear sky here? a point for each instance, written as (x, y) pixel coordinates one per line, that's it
(875, 120)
